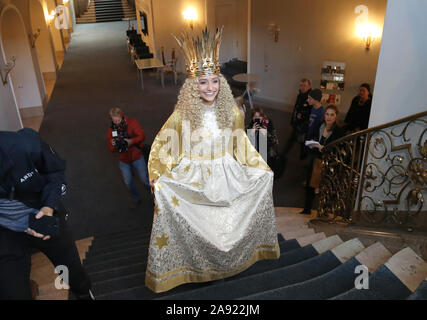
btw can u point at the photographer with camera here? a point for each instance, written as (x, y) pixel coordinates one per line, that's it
(126, 137)
(32, 182)
(264, 126)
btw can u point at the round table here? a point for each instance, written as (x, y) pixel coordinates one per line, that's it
(247, 78)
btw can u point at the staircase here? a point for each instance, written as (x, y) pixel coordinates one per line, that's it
(311, 266)
(106, 11)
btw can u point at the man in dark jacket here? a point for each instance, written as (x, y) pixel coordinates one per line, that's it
(32, 182)
(299, 120)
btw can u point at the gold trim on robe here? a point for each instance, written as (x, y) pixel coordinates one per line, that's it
(214, 211)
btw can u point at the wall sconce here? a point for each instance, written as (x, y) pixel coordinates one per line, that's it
(33, 37)
(8, 68)
(190, 16)
(52, 16)
(274, 29)
(368, 33)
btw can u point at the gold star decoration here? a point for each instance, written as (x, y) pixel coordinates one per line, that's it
(161, 241)
(175, 201)
(197, 199)
(209, 171)
(157, 186)
(196, 184)
(187, 168)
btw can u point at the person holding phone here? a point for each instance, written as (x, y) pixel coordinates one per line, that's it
(264, 126)
(32, 182)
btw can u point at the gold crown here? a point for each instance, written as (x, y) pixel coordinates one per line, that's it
(201, 54)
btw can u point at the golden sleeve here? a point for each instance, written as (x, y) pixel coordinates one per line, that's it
(243, 150)
(165, 151)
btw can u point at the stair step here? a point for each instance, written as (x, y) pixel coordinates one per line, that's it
(117, 272)
(141, 257)
(395, 280)
(267, 280)
(116, 255)
(420, 293)
(330, 284)
(101, 245)
(116, 248)
(137, 279)
(121, 237)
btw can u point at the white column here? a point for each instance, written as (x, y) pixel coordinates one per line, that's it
(401, 80)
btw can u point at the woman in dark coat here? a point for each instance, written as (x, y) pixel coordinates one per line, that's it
(324, 133)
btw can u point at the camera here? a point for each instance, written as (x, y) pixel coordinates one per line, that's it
(119, 133)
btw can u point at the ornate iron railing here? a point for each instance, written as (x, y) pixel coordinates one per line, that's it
(378, 176)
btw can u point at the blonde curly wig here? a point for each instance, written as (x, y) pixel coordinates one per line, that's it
(191, 106)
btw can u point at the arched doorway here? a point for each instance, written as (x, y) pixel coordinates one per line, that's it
(44, 45)
(22, 79)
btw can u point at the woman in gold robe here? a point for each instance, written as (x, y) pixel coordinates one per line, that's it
(214, 212)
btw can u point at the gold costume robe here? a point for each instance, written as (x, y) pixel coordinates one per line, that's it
(214, 213)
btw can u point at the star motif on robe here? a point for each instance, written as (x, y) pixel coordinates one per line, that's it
(196, 184)
(161, 241)
(157, 186)
(187, 168)
(175, 201)
(209, 171)
(197, 199)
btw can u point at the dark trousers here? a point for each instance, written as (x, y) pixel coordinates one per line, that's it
(309, 191)
(15, 262)
(293, 138)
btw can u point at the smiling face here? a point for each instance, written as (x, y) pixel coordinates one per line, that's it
(208, 88)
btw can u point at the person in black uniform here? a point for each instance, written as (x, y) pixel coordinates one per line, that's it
(32, 182)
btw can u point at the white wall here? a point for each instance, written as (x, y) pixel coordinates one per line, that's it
(15, 43)
(311, 32)
(401, 81)
(168, 19)
(43, 42)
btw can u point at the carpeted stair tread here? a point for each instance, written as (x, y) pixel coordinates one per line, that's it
(95, 251)
(420, 293)
(267, 280)
(116, 284)
(115, 255)
(396, 279)
(118, 272)
(115, 263)
(291, 257)
(120, 234)
(100, 243)
(337, 281)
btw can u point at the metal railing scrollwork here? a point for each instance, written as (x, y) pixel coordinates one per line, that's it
(378, 177)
